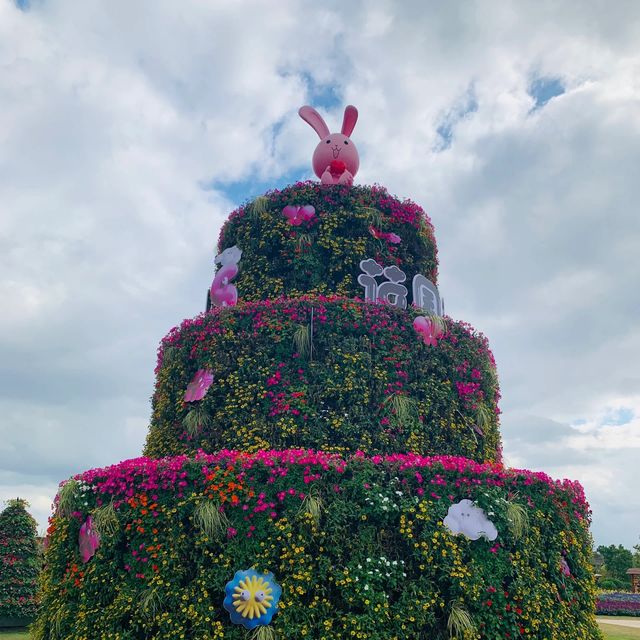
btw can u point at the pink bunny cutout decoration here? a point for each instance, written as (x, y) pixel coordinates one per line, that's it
(222, 293)
(335, 160)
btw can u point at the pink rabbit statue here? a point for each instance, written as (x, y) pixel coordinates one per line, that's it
(335, 160)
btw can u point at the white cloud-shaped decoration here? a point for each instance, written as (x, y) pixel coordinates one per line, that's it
(469, 520)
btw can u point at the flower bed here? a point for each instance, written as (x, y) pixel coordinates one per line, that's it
(618, 604)
(357, 544)
(355, 376)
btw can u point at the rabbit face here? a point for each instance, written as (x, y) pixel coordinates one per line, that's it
(335, 146)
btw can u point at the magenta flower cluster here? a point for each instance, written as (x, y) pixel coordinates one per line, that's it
(123, 480)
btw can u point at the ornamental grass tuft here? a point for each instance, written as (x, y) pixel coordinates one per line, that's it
(518, 518)
(105, 520)
(210, 519)
(460, 625)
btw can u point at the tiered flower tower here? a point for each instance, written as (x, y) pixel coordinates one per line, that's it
(324, 455)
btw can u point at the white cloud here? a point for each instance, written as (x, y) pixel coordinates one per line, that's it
(112, 119)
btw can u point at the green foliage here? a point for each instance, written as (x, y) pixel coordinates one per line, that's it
(259, 205)
(19, 561)
(483, 417)
(303, 241)
(374, 216)
(371, 385)
(617, 559)
(613, 584)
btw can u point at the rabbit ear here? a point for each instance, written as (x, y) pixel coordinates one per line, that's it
(350, 119)
(311, 116)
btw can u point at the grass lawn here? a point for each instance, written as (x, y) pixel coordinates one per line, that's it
(611, 632)
(615, 632)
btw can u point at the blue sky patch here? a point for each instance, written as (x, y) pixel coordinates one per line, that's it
(618, 416)
(466, 106)
(252, 187)
(544, 89)
(23, 5)
(323, 97)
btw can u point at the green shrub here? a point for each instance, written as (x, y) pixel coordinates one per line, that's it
(613, 584)
(19, 561)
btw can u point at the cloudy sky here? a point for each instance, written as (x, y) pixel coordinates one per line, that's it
(128, 133)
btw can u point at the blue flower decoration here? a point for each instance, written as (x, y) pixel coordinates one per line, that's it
(252, 598)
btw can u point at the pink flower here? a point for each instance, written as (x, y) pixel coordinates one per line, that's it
(427, 330)
(198, 387)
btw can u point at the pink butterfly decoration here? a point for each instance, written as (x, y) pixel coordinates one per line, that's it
(296, 215)
(427, 330)
(393, 238)
(198, 387)
(88, 540)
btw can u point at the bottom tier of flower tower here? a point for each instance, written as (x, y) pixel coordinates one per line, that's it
(361, 547)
